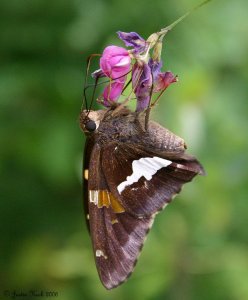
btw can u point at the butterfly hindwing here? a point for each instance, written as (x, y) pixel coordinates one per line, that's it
(143, 182)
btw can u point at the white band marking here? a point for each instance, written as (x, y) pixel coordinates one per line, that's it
(93, 195)
(146, 167)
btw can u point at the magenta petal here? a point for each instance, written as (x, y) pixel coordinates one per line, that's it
(142, 83)
(113, 91)
(141, 79)
(155, 67)
(143, 102)
(115, 62)
(164, 80)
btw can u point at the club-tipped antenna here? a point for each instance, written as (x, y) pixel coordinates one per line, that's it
(84, 104)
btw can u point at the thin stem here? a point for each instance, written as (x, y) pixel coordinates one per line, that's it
(159, 96)
(165, 30)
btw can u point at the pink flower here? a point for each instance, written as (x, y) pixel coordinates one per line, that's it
(115, 62)
(113, 91)
(133, 39)
(147, 78)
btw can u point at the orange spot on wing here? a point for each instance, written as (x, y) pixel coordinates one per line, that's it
(115, 204)
(105, 198)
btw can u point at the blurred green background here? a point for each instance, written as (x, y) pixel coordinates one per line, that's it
(198, 247)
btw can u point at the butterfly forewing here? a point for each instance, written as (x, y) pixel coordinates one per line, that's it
(117, 236)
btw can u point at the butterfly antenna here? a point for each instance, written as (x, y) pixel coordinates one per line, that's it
(94, 92)
(86, 85)
(127, 84)
(107, 81)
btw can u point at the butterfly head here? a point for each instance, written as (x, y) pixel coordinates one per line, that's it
(90, 120)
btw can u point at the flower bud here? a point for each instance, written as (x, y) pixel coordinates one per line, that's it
(115, 62)
(164, 80)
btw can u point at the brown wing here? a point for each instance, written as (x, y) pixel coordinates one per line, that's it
(89, 143)
(143, 182)
(117, 236)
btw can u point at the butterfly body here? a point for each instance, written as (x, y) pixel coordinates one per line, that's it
(128, 127)
(131, 174)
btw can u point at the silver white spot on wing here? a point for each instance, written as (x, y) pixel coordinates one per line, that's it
(147, 167)
(100, 253)
(93, 196)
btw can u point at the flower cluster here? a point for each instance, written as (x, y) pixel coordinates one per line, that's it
(146, 75)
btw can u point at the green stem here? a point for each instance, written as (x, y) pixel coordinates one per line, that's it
(165, 30)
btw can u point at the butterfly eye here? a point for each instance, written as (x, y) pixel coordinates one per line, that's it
(90, 126)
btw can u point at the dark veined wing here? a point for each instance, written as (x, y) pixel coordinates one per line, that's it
(117, 236)
(145, 182)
